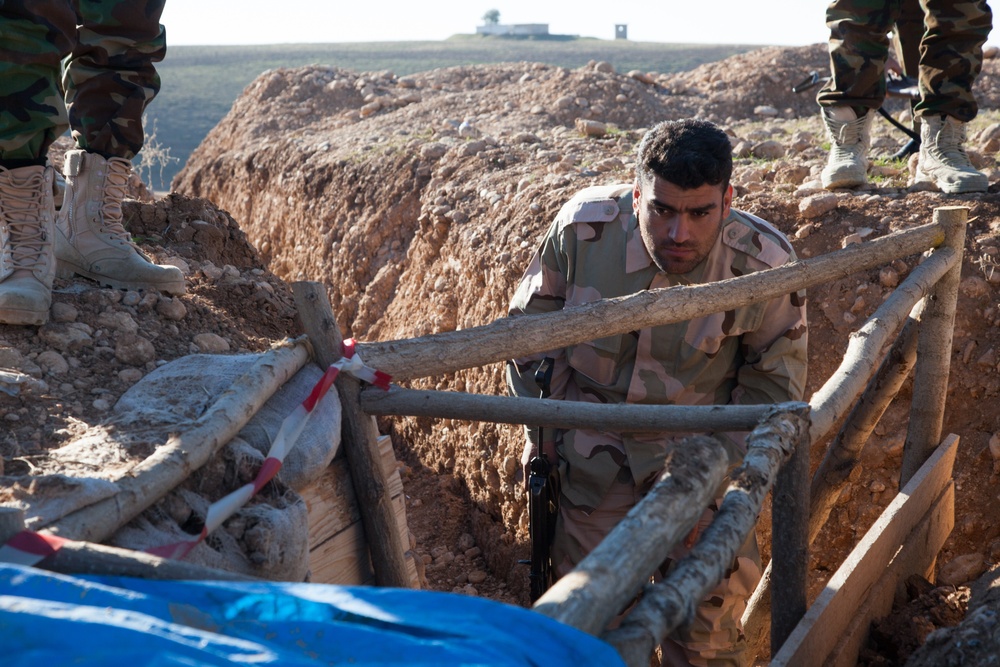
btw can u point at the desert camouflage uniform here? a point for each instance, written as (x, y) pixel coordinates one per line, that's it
(951, 48)
(754, 354)
(108, 80)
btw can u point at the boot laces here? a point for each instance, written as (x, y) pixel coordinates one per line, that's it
(21, 214)
(847, 137)
(951, 143)
(115, 186)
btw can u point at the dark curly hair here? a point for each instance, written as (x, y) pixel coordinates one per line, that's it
(688, 153)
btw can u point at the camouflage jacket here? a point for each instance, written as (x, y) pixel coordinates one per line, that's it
(755, 354)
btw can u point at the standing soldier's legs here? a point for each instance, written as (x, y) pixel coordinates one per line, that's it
(859, 46)
(36, 36)
(715, 637)
(109, 80)
(951, 57)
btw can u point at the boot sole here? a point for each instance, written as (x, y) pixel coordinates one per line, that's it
(66, 271)
(18, 316)
(924, 177)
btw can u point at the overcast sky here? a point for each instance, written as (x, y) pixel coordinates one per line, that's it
(781, 22)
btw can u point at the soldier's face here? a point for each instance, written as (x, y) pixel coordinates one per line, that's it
(679, 226)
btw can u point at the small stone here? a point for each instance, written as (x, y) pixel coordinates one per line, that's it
(765, 110)
(134, 350)
(130, 375)
(804, 231)
(590, 128)
(988, 359)
(995, 447)
(64, 312)
(477, 577)
(210, 343)
(172, 309)
(816, 205)
(605, 67)
(466, 541)
(101, 404)
(850, 239)
(474, 552)
(768, 150)
(961, 569)
(52, 362)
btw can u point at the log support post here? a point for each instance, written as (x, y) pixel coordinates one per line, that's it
(360, 440)
(790, 543)
(937, 328)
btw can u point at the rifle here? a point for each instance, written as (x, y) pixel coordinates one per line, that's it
(542, 499)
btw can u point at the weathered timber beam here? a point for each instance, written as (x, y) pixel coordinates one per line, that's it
(550, 413)
(835, 397)
(667, 605)
(360, 440)
(842, 455)
(186, 451)
(529, 334)
(866, 346)
(74, 557)
(603, 583)
(937, 329)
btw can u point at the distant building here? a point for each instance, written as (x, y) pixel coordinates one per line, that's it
(517, 30)
(621, 31)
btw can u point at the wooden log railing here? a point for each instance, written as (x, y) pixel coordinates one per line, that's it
(524, 335)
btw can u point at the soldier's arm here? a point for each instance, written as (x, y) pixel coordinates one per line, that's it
(775, 354)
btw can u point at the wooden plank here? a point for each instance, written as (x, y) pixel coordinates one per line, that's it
(917, 556)
(825, 622)
(342, 559)
(334, 523)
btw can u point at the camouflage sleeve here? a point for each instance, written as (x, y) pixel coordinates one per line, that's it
(542, 290)
(775, 356)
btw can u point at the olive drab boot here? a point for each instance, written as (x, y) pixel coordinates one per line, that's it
(90, 238)
(27, 265)
(943, 159)
(850, 139)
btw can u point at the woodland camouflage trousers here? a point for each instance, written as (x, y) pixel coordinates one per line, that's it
(101, 89)
(715, 637)
(950, 52)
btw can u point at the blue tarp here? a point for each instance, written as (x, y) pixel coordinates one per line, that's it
(51, 619)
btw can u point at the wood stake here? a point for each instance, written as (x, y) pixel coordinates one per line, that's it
(550, 413)
(937, 328)
(513, 337)
(360, 440)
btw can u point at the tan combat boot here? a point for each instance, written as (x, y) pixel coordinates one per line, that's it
(27, 265)
(850, 139)
(943, 160)
(90, 238)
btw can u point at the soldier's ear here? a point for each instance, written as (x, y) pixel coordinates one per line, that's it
(727, 200)
(636, 193)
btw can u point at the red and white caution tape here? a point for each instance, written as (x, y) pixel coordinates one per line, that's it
(291, 429)
(29, 548)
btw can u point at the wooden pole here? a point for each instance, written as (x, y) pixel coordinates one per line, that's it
(835, 397)
(842, 456)
(187, 451)
(520, 336)
(790, 544)
(668, 605)
(84, 558)
(604, 582)
(550, 413)
(360, 441)
(866, 346)
(937, 328)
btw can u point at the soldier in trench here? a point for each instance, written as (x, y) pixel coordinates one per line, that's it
(673, 226)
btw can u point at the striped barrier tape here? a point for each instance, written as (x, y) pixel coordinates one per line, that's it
(29, 548)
